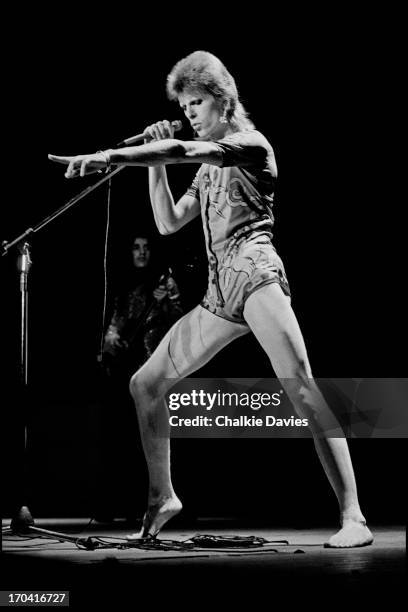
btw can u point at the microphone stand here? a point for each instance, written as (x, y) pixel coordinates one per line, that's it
(23, 521)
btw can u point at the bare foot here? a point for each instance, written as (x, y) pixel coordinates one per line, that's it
(156, 516)
(353, 533)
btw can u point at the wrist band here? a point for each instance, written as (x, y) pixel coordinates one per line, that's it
(107, 159)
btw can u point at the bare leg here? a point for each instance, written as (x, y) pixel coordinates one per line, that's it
(191, 343)
(271, 318)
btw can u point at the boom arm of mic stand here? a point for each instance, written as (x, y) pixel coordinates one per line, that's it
(31, 230)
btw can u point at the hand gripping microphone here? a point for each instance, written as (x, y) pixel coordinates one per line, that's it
(128, 142)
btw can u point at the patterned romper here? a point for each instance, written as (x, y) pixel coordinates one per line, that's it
(236, 208)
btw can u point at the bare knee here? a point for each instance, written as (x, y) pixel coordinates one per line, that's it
(303, 372)
(309, 403)
(135, 386)
(305, 395)
(297, 378)
(142, 389)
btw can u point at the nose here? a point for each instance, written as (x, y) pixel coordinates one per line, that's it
(190, 113)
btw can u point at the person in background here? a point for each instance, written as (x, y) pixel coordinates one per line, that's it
(143, 312)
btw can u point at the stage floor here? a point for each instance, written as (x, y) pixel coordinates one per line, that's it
(300, 570)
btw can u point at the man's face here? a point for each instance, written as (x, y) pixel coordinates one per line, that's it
(203, 112)
(141, 252)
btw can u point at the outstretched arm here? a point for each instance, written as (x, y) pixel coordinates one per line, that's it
(151, 154)
(241, 149)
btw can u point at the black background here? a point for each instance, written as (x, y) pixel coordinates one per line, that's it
(326, 98)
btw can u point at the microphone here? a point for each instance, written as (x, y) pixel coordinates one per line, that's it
(177, 125)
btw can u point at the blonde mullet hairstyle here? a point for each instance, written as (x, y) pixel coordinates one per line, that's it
(204, 71)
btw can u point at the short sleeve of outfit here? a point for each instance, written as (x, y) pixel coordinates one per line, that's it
(244, 149)
(236, 206)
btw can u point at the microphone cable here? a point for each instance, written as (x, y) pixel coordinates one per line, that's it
(105, 272)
